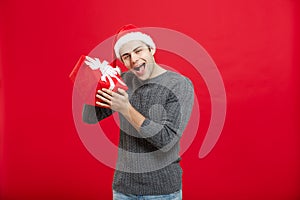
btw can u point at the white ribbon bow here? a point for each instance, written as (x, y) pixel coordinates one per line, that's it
(106, 70)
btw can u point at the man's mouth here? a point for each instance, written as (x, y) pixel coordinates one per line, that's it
(138, 68)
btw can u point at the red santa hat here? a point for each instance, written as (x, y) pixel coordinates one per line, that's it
(129, 33)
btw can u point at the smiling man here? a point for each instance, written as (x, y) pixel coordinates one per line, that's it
(154, 112)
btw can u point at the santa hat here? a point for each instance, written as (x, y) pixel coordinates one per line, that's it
(129, 33)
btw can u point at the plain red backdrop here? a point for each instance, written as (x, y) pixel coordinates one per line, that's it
(255, 45)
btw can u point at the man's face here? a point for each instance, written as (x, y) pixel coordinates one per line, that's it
(138, 58)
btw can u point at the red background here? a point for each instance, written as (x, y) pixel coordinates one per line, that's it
(255, 45)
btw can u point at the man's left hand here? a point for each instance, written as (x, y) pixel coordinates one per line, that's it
(117, 101)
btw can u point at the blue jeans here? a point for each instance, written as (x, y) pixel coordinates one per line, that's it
(173, 196)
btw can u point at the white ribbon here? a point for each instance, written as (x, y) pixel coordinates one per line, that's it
(106, 70)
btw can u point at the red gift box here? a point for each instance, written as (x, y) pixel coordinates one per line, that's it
(90, 75)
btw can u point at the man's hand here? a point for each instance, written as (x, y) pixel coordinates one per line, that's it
(118, 101)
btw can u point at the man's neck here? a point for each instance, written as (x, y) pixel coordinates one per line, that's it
(158, 70)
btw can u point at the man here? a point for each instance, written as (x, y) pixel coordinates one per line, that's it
(153, 114)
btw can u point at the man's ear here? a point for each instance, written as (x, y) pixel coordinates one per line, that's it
(151, 50)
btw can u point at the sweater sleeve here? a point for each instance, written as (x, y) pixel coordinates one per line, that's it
(164, 127)
(93, 114)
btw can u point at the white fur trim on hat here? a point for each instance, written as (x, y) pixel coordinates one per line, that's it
(133, 36)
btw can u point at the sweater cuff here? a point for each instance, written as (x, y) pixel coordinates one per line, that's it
(93, 114)
(150, 128)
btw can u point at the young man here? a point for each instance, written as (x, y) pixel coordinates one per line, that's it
(154, 112)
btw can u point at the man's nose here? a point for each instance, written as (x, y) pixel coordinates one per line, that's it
(134, 57)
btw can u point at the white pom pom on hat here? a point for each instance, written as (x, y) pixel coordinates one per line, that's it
(129, 33)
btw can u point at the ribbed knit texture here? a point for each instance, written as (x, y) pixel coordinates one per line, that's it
(148, 161)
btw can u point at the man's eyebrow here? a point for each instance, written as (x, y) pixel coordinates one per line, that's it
(132, 50)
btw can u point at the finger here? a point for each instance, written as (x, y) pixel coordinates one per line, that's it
(104, 92)
(99, 92)
(98, 96)
(104, 100)
(103, 96)
(102, 104)
(107, 91)
(121, 91)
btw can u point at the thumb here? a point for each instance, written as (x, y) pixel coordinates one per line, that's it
(121, 91)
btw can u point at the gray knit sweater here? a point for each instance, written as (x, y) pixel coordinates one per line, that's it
(148, 160)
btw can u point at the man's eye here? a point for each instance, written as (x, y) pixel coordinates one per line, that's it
(125, 57)
(138, 51)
